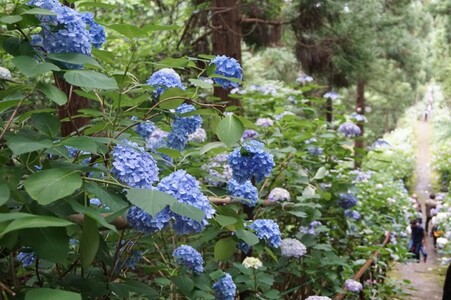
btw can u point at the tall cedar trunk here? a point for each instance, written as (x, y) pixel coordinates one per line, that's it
(226, 37)
(74, 103)
(360, 108)
(329, 111)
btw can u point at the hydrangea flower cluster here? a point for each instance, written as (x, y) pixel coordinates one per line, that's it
(352, 285)
(303, 79)
(254, 162)
(219, 171)
(198, 136)
(164, 79)
(315, 151)
(268, 230)
(318, 298)
(332, 95)
(157, 139)
(267, 89)
(145, 129)
(352, 214)
(380, 144)
(358, 117)
(311, 229)
(347, 200)
(190, 258)
(186, 189)
(249, 134)
(349, 129)
(278, 194)
(228, 67)
(292, 248)
(252, 263)
(5, 74)
(134, 166)
(129, 256)
(246, 191)
(145, 223)
(68, 31)
(27, 258)
(95, 202)
(182, 127)
(264, 122)
(225, 288)
(361, 176)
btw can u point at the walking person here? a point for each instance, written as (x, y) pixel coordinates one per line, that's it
(430, 204)
(418, 241)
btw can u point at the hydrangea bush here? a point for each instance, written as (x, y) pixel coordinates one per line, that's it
(136, 203)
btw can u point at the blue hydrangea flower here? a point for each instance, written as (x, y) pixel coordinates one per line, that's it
(247, 193)
(358, 117)
(190, 258)
(311, 229)
(133, 166)
(164, 79)
(95, 202)
(264, 122)
(145, 223)
(250, 161)
(349, 129)
(352, 285)
(66, 32)
(285, 113)
(225, 288)
(352, 214)
(182, 127)
(249, 134)
(303, 79)
(186, 189)
(145, 129)
(315, 151)
(332, 95)
(245, 248)
(380, 144)
(96, 32)
(228, 67)
(219, 171)
(198, 136)
(347, 200)
(27, 258)
(268, 230)
(157, 139)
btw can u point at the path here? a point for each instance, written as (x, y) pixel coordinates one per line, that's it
(426, 278)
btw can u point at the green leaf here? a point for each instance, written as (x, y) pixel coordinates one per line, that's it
(5, 217)
(211, 146)
(230, 130)
(31, 68)
(169, 152)
(201, 83)
(170, 62)
(46, 123)
(96, 4)
(324, 247)
(93, 214)
(225, 220)
(187, 210)
(27, 141)
(135, 287)
(297, 213)
(153, 27)
(82, 143)
(90, 79)
(320, 173)
(39, 11)
(247, 236)
(4, 192)
(47, 294)
(74, 58)
(112, 200)
(52, 92)
(171, 98)
(129, 31)
(184, 284)
(89, 242)
(53, 184)
(10, 19)
(150, 201)
(224, 248)
(50, 243)
(34, 222)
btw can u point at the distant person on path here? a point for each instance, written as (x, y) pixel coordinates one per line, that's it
(427, 111)
(430, 204)
(447, 287)
(418, 240)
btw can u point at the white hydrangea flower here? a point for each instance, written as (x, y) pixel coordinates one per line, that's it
(318, 298)
(292, 248)
(278, 194)
(5, 74)
(252, 262)
(441, 242)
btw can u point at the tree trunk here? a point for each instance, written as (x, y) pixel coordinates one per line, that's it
(360, 108)
(226, 37)
(329, 111)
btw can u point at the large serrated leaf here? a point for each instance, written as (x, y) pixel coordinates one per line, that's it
(187, 210)
(31, 68)
(52, 92)
(89, 242)
(224, 248)
(47, 294)
(150, 201)
(90, 79)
